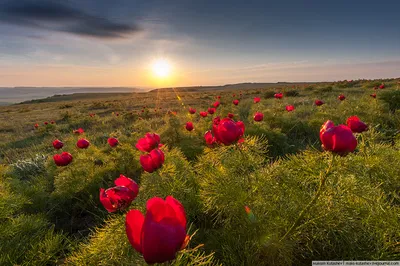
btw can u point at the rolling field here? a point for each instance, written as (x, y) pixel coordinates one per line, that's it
(273, 196)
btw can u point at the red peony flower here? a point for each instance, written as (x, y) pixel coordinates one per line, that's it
(52, 122)
(62, 159)
(290, 108)
(79, 131)
(382, 86)
(203, 114)
(210, 140)
(149, 142)
(36, 125)
(373, 95)
(230, 115)
(113, 142)
(83, 144)
(120, 196)
(46, 123)
(356, 125)
(152, 161)
(341, 97)
(235, 102)
(219, 97)
(189, 126)
(319, 102)
(338, 139)
(228, 131)
(278, 95)
(216, 120)
(161, 233)
(258, 117)
(211, 111)
(257, 99)
(192, 110)
(216, 104)
(57, 144)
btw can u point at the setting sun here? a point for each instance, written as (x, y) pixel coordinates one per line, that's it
(161, 68)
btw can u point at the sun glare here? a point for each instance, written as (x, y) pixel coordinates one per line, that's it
(161, 68)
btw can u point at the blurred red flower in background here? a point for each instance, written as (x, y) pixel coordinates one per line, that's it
(113, 142)
(189, 126)
(356, 125)
(258, 117)
(62, 159)
(82, 144)
(203, 114)
(289, 108)
(57, 144)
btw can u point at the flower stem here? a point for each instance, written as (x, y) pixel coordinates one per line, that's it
(323, 177)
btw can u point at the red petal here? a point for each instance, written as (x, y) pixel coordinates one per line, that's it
(161, 240)
(106, 201)
(133, 227)
(179, 210)
(124, 181)
(146, 162)
(327, 138)
(343, 139)
(159, 209)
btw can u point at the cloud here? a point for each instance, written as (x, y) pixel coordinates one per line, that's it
(54, 16)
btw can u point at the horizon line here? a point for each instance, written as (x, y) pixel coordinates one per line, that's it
(187, 86)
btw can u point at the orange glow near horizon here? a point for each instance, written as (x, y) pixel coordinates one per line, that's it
(161, 73)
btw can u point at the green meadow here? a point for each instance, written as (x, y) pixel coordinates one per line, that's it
(259, 202)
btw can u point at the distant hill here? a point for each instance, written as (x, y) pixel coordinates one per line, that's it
(20, 94)
(238, 86)
(76, 97)
(53, 94)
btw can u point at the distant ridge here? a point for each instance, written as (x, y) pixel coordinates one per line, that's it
(237, 86)
(20, 94)
(76, 96)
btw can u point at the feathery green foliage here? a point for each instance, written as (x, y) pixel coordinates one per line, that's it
(260, 202)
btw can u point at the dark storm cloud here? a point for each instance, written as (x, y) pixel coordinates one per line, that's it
(51, 15)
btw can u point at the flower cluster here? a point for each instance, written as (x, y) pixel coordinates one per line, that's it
(155, 157)
(226, 131)
(340, 139)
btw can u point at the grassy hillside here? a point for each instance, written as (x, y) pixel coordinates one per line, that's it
(275, 199)
(76, 97)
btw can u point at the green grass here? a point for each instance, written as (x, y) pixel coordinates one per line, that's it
(52, 215)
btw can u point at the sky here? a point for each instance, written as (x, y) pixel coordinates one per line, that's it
(116, 43)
